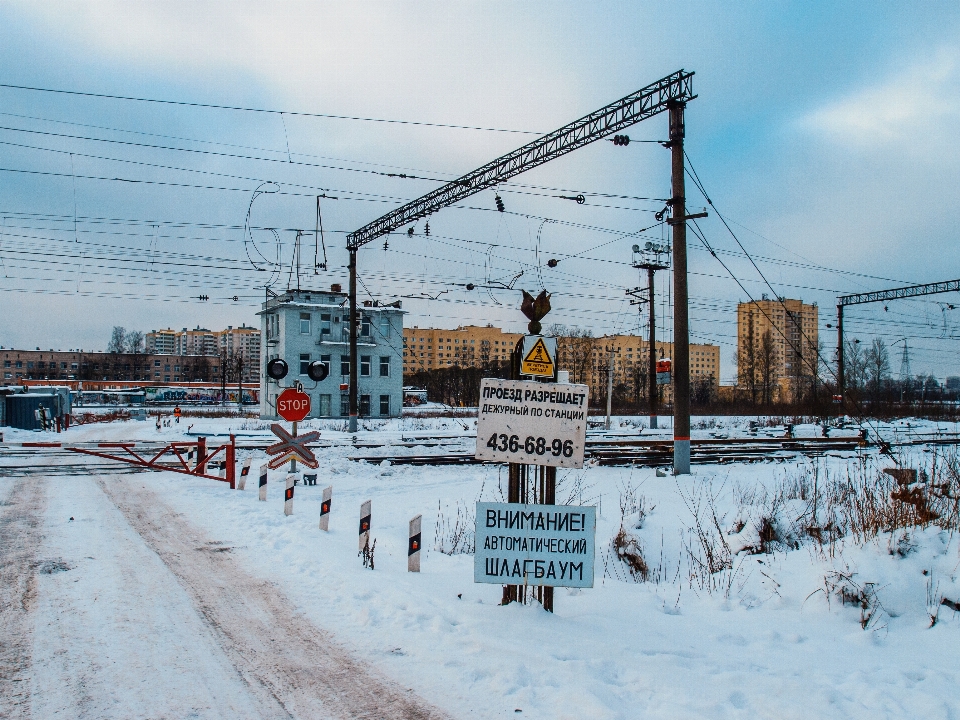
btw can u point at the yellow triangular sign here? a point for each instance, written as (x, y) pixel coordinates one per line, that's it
(538, 361)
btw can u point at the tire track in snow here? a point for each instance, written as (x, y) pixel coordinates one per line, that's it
(281, 655)
(21, 519)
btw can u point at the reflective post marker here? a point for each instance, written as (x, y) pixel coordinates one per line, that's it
(288, 494)
(325, 508)
(413, 546)
(263, 481)
(364, 524)
(244, 471)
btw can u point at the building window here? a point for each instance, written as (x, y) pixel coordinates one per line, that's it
(364, 366)
(304, 363)
(304, 323)
(385, 366)
(344, 405)
(166, 378)
(324, 402)
(6, 363)
(344, 365)
(384, 405)
(365, 406)
(365, 326)
(325, 359)
(325, 324)
(385, 325)
(29, 365)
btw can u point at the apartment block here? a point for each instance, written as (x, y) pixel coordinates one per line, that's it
(161, 342)
(19, 365)
(198, 341)
(467, 346)
(242, 342)
(777, 343)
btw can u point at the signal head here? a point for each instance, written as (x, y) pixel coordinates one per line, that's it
(277, 369)
(318, 371)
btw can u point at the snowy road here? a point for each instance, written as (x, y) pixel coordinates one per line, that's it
(130, 611)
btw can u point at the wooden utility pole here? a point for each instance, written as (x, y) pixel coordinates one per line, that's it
(681, 330)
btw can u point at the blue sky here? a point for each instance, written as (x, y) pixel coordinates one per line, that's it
(824, 131)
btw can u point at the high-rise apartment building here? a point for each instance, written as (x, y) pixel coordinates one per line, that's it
(585, 358)
(777, 348)
(161, 342)
(198, 341)
(467, 346)
(242, 342)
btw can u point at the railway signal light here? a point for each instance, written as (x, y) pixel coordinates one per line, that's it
(277, 369)
(318, 371)
(622, 140)
(499, 202)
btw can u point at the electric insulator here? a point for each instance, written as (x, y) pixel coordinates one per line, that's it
(552, 262)
(621, 140)
(470, 286)
(204, 298)
(499, 203)
(409, 232)
(426, 229)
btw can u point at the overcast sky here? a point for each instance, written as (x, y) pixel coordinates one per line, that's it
(825, 132)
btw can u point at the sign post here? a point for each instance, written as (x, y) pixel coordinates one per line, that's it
(413, 545)
(325, 504)
(529, 423)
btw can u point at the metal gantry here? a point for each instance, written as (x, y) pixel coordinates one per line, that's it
(881, 296)
(670, 93)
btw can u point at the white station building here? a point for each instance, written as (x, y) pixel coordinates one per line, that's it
(301, 326)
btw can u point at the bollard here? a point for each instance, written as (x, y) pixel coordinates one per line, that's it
(288, 495)
(325, 509)
(231, 462)
(201, 455)
(263, 481)
(244, 471)
(413, 547)
(364, 524)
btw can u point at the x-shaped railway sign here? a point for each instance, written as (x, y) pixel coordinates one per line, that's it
(292, 447)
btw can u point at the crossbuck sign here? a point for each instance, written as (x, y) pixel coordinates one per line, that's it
(292, 447)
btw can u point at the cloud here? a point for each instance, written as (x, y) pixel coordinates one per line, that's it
(916, 109)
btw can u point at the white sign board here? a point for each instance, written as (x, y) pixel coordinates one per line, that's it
(545, 544)
(524, 421)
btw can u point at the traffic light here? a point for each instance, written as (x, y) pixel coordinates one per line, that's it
(277, 369)
(499, 203)
(317, 370)
(621, 140)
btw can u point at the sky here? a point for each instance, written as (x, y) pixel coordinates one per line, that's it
(824, 133)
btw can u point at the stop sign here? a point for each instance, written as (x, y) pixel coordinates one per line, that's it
(293, 405)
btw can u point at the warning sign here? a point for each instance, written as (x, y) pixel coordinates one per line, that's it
(538, 356)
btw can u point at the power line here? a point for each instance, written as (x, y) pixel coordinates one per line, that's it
(268, 111)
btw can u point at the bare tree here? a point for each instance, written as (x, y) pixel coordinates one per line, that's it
(766, 367)
(877, 360)
(134, 342)
(855, 366)
(118, 338)
(575, 351)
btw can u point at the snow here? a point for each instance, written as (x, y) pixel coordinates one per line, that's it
(771, 639)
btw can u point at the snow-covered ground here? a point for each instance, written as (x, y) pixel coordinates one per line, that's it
(768, 635)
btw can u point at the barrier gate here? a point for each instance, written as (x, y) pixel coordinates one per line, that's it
(174, 457)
